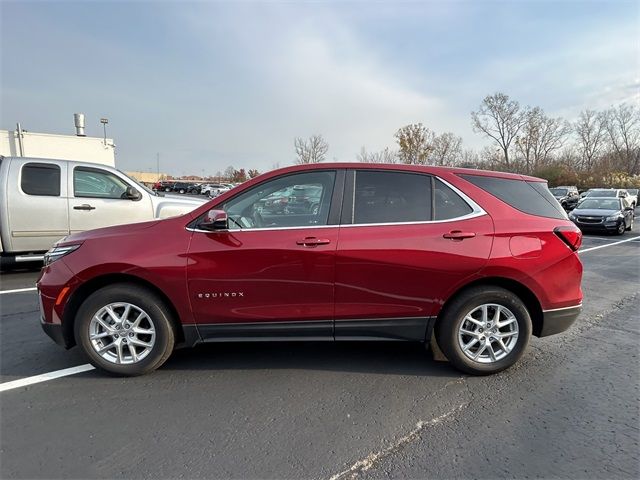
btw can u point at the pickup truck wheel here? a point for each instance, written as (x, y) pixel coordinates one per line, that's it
(125, 330)
(167, 189)
(484, 330)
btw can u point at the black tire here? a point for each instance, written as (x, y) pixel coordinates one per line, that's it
(454, 315)
(146, 300)
(167, 189)
(621, 228)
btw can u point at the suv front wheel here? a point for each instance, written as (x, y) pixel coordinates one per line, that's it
(125, 329)
(484, 330)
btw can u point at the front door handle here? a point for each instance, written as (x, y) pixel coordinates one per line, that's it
(85, 206)
(459, 235)
(313, 241)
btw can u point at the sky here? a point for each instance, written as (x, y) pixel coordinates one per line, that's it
(212, 84)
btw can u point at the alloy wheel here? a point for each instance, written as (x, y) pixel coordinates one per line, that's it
(122, 333)
(488, 333)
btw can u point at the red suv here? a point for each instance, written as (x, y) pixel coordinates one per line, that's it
(480, 260)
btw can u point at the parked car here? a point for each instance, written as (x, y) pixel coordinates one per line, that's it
(633, 196)
(567, 196)
(603, 214)
(479, 260)
(214, 189)
(608, 193)
(44, 200)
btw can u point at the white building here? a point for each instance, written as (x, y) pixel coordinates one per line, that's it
(21, 143)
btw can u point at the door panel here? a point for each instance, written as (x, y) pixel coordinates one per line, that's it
(95, 200)
(262, 276)
(400, 271)
(37, 204)
(271, 274)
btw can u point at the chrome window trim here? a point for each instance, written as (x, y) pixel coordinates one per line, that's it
(477, 211)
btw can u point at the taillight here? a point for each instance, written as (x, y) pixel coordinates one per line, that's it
(571, 235)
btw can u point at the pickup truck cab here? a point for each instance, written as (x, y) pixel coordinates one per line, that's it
(43, 200)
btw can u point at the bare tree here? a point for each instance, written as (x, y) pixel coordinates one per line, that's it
(623, 128)
(386, 155)
(447, 149)
(313, 150)
(591, 134)
(416, 144)
(500, 119)
(539, 137)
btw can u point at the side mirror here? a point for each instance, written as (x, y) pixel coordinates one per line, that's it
(132, 193)
(214, 220)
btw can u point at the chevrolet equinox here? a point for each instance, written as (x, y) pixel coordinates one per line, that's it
(479, 260)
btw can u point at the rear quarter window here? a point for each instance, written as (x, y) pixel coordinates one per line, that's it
(533, 198)
(40, 179)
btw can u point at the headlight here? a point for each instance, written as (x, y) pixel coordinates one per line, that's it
(613, 218)
(572, 216)
(58, 252)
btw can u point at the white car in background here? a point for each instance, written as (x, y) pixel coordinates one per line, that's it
(214, 189)
(43, 200)
(633, 196)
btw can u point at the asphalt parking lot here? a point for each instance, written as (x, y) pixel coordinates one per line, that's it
(569, 409)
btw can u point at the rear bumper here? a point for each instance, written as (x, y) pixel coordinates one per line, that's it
(559, 319)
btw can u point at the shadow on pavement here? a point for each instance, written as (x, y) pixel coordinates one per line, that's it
(386, 358)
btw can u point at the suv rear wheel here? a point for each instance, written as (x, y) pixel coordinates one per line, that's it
(125, 329)
(484, 330)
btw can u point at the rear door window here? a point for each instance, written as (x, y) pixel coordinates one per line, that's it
(391, 197)
(530, 197)
(40, 179)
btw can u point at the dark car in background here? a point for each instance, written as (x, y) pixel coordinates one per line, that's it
(567, 196)
(603, 214)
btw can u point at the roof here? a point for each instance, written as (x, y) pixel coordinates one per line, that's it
(410, 168)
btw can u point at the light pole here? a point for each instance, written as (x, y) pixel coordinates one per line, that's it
(104, 122)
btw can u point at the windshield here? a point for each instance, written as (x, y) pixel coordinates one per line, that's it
(632, 191)
(600, 204)
(601, 193)
(558, 192)
(146, 189)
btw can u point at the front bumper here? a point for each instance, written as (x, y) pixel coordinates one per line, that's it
(559, 319)
(610, 226)
(54, 330)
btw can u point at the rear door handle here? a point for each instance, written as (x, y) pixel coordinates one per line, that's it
(459, 235)
(313, 241)
(85, 206)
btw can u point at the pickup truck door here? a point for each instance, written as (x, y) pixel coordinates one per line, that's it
(96, 200)
(36, 199)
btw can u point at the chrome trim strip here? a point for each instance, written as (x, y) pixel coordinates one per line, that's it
(29, 258)
(424, 222)
(563, 308)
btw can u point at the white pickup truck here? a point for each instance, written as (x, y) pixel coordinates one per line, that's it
(43, 200)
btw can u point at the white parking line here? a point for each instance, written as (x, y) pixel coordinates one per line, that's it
(18, 290)
(44, 377)
(608, 245)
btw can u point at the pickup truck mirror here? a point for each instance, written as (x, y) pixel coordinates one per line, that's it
(131, 193)
(214, 220)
